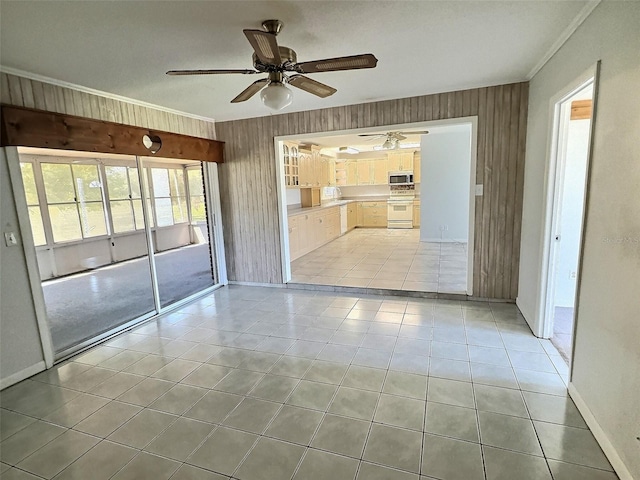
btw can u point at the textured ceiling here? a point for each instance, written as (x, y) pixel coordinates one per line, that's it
(423, 47)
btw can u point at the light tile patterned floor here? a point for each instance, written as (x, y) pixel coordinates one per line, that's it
(269, 384)
(388, 259)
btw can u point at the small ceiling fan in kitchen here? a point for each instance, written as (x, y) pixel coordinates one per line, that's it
(392, 139)
(278, 63)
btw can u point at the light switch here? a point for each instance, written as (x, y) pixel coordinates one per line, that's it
(479, 190)
(10, 239)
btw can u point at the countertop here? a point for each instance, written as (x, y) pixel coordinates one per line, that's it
(298, 210)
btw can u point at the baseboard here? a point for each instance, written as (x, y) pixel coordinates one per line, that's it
(600, 436)
(444, 240)
(258, 284)
(22, 374)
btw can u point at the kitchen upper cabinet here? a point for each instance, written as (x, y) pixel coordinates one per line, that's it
(314, 169)
(416, 167)
(380, 171)
(290, 156)
(364, 172)
(400, 161)
(306, 168)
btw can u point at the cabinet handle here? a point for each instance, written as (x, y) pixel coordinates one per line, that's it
(320, 220)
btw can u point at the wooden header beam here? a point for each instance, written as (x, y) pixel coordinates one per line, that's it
(26, 127)
(580, 109)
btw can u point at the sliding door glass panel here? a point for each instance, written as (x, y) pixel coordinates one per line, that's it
(91, 245)
(182, 249)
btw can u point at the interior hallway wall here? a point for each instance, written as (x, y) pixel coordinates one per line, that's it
(249, 192)
(606, 366)
(444, 191)
(19, 345)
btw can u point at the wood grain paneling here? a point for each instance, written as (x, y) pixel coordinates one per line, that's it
(24, 92)
(248, 178)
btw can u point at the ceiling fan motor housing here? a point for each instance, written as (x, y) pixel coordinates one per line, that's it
(287, 55)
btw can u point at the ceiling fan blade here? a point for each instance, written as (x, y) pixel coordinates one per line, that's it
(372, 135)
(251, 90)
(397, 135)
(339, 63)
(423, 132)
(209, 72)
(311, 86)
(265, 45)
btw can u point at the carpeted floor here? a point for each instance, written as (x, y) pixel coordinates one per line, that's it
(82, 306)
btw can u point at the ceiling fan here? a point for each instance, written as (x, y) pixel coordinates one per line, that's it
(278, 62)
(392, 138)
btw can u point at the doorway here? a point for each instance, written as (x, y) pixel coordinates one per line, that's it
(568, 180)
(118, 239)
(339, 214)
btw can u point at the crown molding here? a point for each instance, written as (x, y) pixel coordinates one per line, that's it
(100, 93)
(564, 36)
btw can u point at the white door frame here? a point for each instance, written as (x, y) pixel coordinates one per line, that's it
(282, 191)
(554, 174)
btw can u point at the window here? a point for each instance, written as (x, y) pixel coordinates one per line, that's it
(74, 201)
(196, 195)
(33, 204)
(124, 198)
(169, 196)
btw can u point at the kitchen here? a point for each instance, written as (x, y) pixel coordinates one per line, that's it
(354, 212)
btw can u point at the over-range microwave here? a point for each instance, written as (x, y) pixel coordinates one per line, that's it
(400, 178)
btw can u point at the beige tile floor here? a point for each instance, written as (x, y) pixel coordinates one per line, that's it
(278, 384)
(388, 259)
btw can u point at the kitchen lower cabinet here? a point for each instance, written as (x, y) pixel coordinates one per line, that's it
(416, 213)
(352, 215)
(374, 214)
(308, 231)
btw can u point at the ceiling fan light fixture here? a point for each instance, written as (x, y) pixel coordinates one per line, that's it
(276, 96)
(387, 145)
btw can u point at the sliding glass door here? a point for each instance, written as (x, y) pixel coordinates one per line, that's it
(118, 239)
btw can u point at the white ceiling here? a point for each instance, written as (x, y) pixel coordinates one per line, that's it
(124, 47)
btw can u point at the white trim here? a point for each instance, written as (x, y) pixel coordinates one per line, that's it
(258, 284)
(283, 218)
(599, 434)
(99, 93)
(282, 197)
(216, 232)
(33, 272)
(444, 240)
(22, 374)
(564, 36)
(541, 326)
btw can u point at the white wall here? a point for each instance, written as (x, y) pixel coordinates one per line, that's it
(571, 211)
(444, 191)
(20, 348)
(606, 367)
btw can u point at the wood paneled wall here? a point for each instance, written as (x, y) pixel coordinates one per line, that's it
(24, 92)
(248, 177)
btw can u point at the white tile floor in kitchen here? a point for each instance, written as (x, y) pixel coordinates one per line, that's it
(388, 259)
(276, 384)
